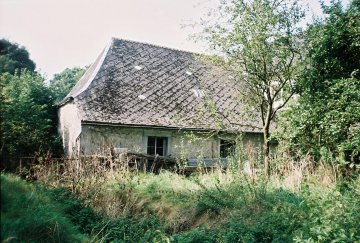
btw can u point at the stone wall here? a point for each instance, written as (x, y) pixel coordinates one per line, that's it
(99, 139)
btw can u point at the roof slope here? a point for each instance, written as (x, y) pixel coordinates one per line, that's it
(140, 84)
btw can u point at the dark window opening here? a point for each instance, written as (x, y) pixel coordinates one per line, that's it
(227, 148)
(157, 146)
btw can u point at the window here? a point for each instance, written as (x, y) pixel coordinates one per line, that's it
(157, 145)
(227, 148)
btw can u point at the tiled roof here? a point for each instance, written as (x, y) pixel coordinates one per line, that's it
(139, 84)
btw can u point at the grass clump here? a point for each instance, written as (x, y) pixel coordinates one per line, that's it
(132, 228)
(29, 215)
(312, 214)
(31, 212)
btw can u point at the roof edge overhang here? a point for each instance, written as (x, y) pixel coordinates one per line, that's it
(90, 74)
(95, 123)
(64, 101)
(96, 70)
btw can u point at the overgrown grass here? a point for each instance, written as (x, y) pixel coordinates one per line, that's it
(313, 214)
(29, 215)
(214, 207)
(219, 207)
(34, 213)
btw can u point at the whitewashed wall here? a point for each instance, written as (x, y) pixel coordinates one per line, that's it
(99, 139)
(70, 128)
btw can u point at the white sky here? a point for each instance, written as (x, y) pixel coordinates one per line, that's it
(68, 33)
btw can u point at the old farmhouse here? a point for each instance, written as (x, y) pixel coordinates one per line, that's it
(153, 100)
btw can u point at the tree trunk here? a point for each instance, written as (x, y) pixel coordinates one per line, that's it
(266, 133)
(266, 151)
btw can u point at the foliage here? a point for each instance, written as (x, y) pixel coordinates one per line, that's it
(326, 120)
(259, 40)
(28, 119)
(332, 47)
(250, 213)
(63, 82)
(328, 126)
(331, 216)
(29, 215)
(13, 57)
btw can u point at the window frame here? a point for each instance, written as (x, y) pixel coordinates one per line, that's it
(156, 145)
(226, 147)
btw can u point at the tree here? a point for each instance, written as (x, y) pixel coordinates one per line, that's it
(28, 118)
(333, 46)
(63, 82)
(326, 120)
(13, 57)
(259, 40)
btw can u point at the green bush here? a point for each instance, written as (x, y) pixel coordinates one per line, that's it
(332, 216)
(28, 119)
(324, 121)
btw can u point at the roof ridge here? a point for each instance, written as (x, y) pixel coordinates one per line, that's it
(157, 45)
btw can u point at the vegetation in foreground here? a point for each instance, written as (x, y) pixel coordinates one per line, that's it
(214, 207)
(28, 214)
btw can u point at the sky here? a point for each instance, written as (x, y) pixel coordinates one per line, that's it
(63, 34)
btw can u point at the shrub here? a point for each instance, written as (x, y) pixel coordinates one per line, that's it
(331, 216)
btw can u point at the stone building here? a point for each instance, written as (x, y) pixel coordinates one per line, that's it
(153, 100)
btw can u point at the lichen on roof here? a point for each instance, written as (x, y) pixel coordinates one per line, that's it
(147, 85)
